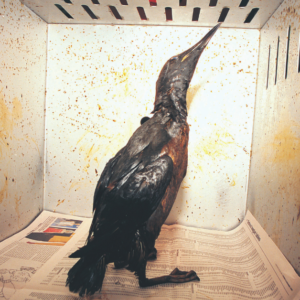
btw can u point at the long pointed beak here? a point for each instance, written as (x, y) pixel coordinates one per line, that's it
(202, 43)
(176, 74)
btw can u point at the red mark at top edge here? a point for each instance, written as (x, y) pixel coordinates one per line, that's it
(152, 2)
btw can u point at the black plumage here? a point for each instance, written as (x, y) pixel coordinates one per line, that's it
(138, 186)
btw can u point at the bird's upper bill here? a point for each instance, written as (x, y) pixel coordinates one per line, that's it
(178, 71)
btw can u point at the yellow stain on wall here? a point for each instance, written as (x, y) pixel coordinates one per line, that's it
(233, 181)
(36, 144)
(76, 185)
(8, 119)
(286, 145)
(17, 203)
(87, 150)
(86, 168)
(199, 168)
(89, 153)
(3, 191)
(121, 81)
(83, 136)
(219, 145)
(281, 153)
(17, 113)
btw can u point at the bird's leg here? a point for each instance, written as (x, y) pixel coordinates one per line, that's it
(149, 239)
(176, 276)
(152, 255)
(120, 264)
(139, 262)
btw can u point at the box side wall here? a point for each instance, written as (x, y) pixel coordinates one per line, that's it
(23, 39)
(274, 185)
(101, 82)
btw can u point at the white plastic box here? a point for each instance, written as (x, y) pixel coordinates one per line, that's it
(73, 90)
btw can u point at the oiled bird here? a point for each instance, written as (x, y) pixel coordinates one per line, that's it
(138, 186)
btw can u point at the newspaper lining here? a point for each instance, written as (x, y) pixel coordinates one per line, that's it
(241, 264)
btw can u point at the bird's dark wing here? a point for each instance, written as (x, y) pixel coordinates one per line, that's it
(105, 178)
(127, 206)
(143, 147)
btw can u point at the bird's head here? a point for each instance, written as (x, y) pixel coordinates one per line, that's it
(176, 74)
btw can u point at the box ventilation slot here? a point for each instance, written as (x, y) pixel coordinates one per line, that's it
(277, 58)
(168, 10)
(196, 14)
(64, 11)
(244, 3)
(213, 3)
(268, 71)
(287, 52)
(224, 14)
(142, 13)
(152, 2)
(115, 12)
(89, 12)
(169, 16)
(252, 14)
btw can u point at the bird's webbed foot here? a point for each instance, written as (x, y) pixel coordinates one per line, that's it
(176, 276)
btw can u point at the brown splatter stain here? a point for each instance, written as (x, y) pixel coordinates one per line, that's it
(59, 202)
(185, 187)
(285, 16)
(3, 191)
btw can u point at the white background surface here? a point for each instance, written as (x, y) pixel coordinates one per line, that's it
(101, 82)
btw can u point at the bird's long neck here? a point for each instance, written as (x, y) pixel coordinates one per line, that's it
(173, 103)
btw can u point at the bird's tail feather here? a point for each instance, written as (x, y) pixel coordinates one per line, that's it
(81, 252)
(86, 276)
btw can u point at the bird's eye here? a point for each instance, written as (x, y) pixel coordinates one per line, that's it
(173, 59)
